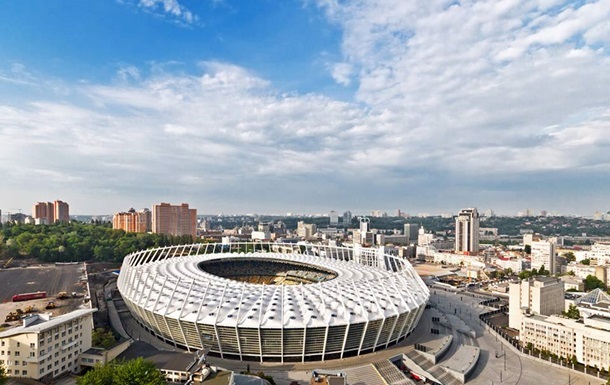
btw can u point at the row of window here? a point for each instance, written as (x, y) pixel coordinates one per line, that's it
(18, 344)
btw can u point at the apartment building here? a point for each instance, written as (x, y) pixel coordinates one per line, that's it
(133, 221)
(174, 219)
(48, 213)
(45, 347)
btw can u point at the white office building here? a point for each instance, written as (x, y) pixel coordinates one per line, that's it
(587, 339)
(543, 254)
(535, 296)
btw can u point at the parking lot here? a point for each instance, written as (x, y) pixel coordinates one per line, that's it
(50, 278)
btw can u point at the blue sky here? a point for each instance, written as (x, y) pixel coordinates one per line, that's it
(306, 106)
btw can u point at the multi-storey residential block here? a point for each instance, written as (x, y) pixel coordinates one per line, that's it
(61, 211)
(467, 231)
(538, 295)
(47, 212)
(44, 347)
(543, 254)
(174, 219)
(133, 221)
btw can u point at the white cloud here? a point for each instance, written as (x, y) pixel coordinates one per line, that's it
(170, 7)
(480, 90)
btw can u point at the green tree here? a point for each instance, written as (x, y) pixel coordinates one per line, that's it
(586, 261)
(592, 283)
(569, 256)
(100, 375)
(527, 249)
(3, 376)
(138, 372)
(102, 338)
(572, 312)
(133, 372)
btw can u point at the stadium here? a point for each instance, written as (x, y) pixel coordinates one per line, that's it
(272, 302)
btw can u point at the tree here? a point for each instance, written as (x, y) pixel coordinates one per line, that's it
(569, 256)
(572, 312)
(133, 372)
(102, 338)
(586, 261)
(3, 376)
(592, 283)
(527, 249)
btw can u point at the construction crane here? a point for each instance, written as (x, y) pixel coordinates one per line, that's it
(8, 213)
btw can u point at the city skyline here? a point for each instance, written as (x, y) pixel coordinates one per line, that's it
(306, 106)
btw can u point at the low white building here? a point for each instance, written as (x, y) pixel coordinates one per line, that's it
(45, 347)
(517, 265)
(599, 254)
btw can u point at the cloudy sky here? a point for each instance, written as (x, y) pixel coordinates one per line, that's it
(243, 106)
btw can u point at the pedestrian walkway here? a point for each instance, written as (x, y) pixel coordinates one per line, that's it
(391, 374)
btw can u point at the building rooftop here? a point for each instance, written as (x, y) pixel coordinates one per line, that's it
(166, 360)
(37, 323)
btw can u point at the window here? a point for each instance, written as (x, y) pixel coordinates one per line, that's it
(32, 354)
(2, 343)
(16, 363)
(32, 345)
(24, 372)
(18, 344)
(17, 353)
(24, 363)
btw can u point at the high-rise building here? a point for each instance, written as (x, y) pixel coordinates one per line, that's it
(61, 211)
(334, 218)
(535, 296)
(174, 219)
(43, 212)
(347, 218)
(411, 232)
(47, 212)
(467, 231)
(543, 254)
(133, 221)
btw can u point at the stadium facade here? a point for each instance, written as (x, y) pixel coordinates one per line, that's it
(274, 302)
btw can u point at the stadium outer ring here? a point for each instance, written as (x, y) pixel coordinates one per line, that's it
(375, 301)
